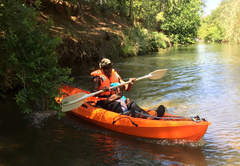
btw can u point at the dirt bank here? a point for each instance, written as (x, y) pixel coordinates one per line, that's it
(87, 35)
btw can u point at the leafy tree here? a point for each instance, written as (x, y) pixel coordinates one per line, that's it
(145, 12)
(28, 59)
(181, 20)
(211, 30)
(228, 16)
(223, 24)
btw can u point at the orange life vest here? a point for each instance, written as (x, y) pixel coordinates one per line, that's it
(105, 81)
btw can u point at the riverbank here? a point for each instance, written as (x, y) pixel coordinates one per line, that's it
(89, 35)
(85, 38)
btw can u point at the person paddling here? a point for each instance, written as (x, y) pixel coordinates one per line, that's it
(107, 100)
(102, 79)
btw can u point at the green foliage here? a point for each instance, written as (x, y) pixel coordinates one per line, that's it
(210, 30)
(140, 41)
(113, 47)
(178, 19)
(230, 20)
(113, 6)
(129, 48)
(182, 20)
(138, 10)
(223, 24)
(146, 11)
(159, 40)
(28, 59)
(160, 17)
(136, 39)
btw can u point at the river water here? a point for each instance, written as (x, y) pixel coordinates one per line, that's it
(201, 80)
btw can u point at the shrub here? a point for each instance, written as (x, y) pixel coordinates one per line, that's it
(141, 41)
(139, 36)
(159, 40)
(28, 59)
(129, 48)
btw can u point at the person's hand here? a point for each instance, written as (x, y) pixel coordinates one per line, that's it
(132, 80)
(115, 96)
(128, 101)
(105, 89)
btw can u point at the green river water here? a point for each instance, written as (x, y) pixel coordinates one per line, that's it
(203, 79)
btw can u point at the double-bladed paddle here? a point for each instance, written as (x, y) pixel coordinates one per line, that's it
(75, 101)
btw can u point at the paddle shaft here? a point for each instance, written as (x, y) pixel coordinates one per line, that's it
(100, 91)
(76, 100)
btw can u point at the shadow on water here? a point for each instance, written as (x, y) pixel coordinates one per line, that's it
(41, 139)
(120, 149)
(202, 79)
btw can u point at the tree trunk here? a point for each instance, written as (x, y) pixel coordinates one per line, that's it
(130, 10)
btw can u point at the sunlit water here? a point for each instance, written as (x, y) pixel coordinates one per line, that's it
(201, 80)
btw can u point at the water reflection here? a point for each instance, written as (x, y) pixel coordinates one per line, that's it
(113, 148)
(201, 80)
(130, 151)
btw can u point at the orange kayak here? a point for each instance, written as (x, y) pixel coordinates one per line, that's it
(166, 127)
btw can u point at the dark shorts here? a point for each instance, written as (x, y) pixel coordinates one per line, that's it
(113, 106)
(116, 107)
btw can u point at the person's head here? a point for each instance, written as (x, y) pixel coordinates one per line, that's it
(117, 90)
(106, 66)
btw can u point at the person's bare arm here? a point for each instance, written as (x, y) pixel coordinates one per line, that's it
(112, 98)
(128, 87)
(96, 84)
